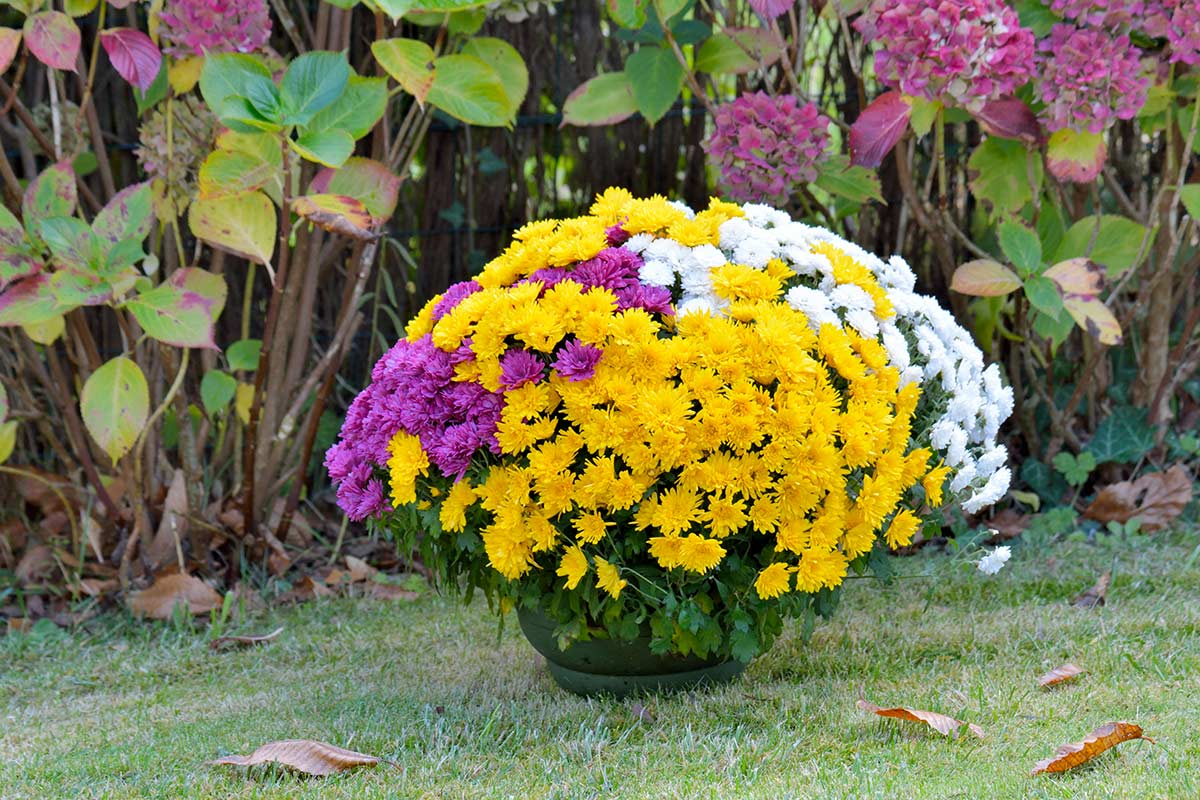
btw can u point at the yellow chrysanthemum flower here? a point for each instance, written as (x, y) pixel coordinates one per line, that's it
(773, 581)
(933, 482)
(699, 554)
(572, 566)
(590, 528)
(453, 513)
(608, 578)
(902, 528)
(407, 461)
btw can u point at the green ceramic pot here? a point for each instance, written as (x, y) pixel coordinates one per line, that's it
(617, 667)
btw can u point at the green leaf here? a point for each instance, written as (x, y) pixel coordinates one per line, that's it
(155, 93)
(239, 89)
(182, 310)
(1044, 296)
(507, 63)
(603, 100)
(50, 194)
(659, 79)
(984, 278)
(242, 224)
(79, 8)
(216, 391)
(47, 331)
(1000, 171)
(29, 301)
(115, 404)
(1190, 195)
(924, 112)
(410, 63)
(1117, 242)
(470, 90)
(857, 184)
(356, 110)
(1075, 470)
(628, 13)
(71, 242)
(243, 355)
(312, 82)
(1124, 436)
(228, 172)
(4, 407)
(129, 215)
(367, 181)
(1076, 156)
(1036, 16)
(8, 439)
(737, 51)
(328, 147)
(1021, 245)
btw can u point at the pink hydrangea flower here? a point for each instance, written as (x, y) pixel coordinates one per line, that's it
(1088, 79)
(194, 27)
(1183, 32)
(770, 9)
(1107, 13)
(962, 52)
(766, 145)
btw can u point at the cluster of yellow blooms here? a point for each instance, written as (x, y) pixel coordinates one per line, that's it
(698, 431)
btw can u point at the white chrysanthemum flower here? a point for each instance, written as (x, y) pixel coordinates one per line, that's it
(754, 251)
(640, 241)
(657, 273)
(698, 304)
(813, 304)
(708, 256)
(733, 231)
(764, 216)
(994, 561)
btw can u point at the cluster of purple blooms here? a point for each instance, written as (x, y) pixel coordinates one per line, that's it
(1088, 79)
(764, 146)
(1183, 30)
(962, 52)
(413, 387)
(196, 27)
(1100, 13)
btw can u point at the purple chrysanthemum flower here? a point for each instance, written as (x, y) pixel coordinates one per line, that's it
(196, 27)
(616, 235)
(612, 268)
(766, 145)
(453, 296)
(519, 367)
(962, 52)
(1088, 79)
(577, 361)
(655, 299)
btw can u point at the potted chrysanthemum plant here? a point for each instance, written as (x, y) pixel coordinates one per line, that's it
(658, 434)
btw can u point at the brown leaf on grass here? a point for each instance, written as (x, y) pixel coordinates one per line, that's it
(1008, 524)
(35, 566)
(947, 726)
(304, 590)
(19, 624)
(1067, 672)
(1096, 595)
(641, 713)
(360, 570)
(1155, 499)
(1072, 755)
(243, 641)
(390, 591)
(95, 587)
(173, 527)
(303, 755)
(159, 600)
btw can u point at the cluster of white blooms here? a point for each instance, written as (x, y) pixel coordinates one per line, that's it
(962, 401)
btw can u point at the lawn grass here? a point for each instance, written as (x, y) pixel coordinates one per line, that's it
(133, 710)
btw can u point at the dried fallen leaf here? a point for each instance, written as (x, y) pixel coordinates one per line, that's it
(390, 591)
(1008, 524)
(303, 755)
(159, 600)
(947, 726)
(1155, 499)
(1072, 755)
(1096, 595)
(243, 641)
(641, 713)
(359, 569)
(172, 529)
(304, 590)
(1066, 672)
(19, 624)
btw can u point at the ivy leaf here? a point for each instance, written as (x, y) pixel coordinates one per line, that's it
(1124, 436)
(659, 80)
(1075, 469)
(115, 404)
(878, 129)
(603, 100)
(135, 57)
(53, 38)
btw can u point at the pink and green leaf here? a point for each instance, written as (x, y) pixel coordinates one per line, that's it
(53, 38)
(132, 53)
(1076, 156)
(364, 179)
(878, 129)
(984, 278)
(10, 43)
(337, 213)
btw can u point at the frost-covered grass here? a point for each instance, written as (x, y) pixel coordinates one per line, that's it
(131, 710)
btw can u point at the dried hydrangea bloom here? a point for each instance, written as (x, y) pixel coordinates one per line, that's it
(1108, 13)
(196, 27)
(962, 52)
(520, 10)
(173, 171)
(764, 146)
(1088, 79)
